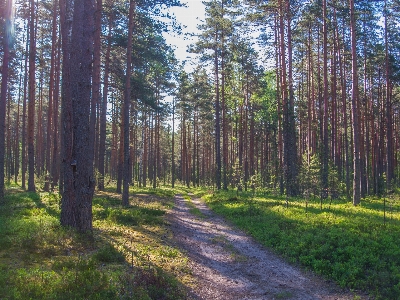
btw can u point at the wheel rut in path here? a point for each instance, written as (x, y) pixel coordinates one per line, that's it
(228, 264)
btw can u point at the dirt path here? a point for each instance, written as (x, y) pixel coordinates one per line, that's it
(230, 265)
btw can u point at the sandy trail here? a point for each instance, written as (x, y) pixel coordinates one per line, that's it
(228, 264)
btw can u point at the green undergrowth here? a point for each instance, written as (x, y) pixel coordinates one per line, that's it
(358, 247)
(129, 255)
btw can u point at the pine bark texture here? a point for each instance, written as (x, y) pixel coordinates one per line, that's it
(3, 95)
(76, 203)
(355, 111)
(126, 108)
(31, 96)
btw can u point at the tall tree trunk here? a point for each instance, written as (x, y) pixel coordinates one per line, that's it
(289, 133)
(217, 118)
(23, 132)
(55, 173)
(50, 114)
(325, 152)
(389, 120)
(355, 110)
(39, 163)
(31, 95)
(145, 150)
(126, 109)
(292, 189)
(76, 202)
(17, 128)
(278, 64)
(173, 145)
(103, 114)
(224, 113)
(95, 101)
(343, 83)
(3, 95)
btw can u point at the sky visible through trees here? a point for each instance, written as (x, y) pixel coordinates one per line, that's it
(291, 97)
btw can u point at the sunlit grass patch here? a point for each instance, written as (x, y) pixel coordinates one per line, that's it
(128, 255)
(355, 246)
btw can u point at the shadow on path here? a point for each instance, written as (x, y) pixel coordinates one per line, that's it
(228, 264)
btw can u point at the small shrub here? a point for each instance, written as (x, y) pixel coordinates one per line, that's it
(108, 254)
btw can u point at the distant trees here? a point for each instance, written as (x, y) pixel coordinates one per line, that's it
(320, 89)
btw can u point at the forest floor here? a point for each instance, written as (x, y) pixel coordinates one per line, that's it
(228, 264)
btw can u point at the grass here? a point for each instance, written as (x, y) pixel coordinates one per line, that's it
(193, 209)
(355, 246)
(129, 255)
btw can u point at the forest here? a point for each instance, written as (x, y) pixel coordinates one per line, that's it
(295, 99)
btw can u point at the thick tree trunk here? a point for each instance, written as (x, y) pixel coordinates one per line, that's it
(76, 203)
(289, 133)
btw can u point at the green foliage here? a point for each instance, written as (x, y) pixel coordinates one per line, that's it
(265, 99)
(109, 254)
(310, 174)
(134, 216)
(350, 245)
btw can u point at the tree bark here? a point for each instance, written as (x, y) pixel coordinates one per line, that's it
(3, 95)
(325, 152)
(173, 144)
(31, 96)
(355, 110)
(217, 118)
(389, 120)
(103, 113)
(95, 101)
(126, 109)
(76, 202)
(50, 114)
(23, 131)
